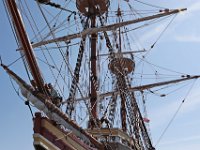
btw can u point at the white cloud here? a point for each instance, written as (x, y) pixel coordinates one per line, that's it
(192, 10)
(184, 143)
(190, 18)
(188, 38)
(194, 7)
(192, 102)
(153, 33)
(162, 115)
(171, 32)
(181, 140)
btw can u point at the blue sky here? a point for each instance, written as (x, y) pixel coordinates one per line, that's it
(178, 49)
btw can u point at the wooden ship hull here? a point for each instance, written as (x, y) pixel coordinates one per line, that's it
(50, 136)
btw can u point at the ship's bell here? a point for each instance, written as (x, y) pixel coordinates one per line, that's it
(91, 7)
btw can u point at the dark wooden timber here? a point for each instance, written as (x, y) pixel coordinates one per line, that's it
(25, 44)
(51, 107)
(93, 77)
(110, 27)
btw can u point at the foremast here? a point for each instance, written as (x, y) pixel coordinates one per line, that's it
(40, 96)
(24, 42)
(120, 67)
(44, 104)
(93, 74)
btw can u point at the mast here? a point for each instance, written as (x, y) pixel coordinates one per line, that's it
(93, 76)
(91, 9)
(25, 44)
(120, 80)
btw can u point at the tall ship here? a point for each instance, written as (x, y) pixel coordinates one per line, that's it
(84, 71)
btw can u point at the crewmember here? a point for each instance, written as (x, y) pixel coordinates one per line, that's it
(55, 97)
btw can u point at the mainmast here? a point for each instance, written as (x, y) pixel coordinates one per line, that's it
(93, 75)
(25, 44)
(123, 99)
(92, 9)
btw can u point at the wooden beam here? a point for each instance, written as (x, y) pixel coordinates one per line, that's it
(25, 44)
(111, 27)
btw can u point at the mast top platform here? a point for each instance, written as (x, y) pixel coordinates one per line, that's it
(121, 65)
(92, 7)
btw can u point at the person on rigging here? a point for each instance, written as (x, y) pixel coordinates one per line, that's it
(55, 96)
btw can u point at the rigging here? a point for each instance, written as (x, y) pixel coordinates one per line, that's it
(119, 107)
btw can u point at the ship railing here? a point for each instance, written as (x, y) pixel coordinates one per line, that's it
(115, 139)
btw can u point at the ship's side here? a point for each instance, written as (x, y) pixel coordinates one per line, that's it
(49, 135)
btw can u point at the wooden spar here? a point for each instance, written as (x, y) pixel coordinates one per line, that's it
(122, 85)
(121, 82)
(125, 52)
(142, 87)
(111, 27)
(40, 101)
(25, 44)
(153, 85)
(93, 76)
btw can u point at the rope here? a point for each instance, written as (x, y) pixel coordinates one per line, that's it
(75, 80)
(28, 104)
(149, 4)
(167, 69)
(89, 110)
(175, 114)
(163, 31)
(1, 62)
(15, 61)
(57, 6)
(50, 54)
(9, 20)
(130, 101)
